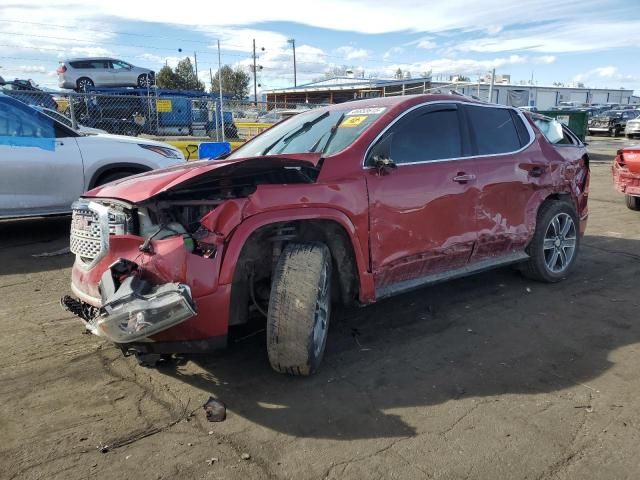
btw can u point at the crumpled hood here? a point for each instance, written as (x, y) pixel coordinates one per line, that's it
(143, 186)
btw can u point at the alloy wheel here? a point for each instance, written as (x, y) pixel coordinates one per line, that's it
(560, 241)
(322, 312)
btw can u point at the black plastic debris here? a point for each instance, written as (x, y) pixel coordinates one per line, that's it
(215, 410)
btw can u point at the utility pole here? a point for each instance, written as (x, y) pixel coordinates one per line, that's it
(220, 85)
(195, 61)
(292, 41)
(255, 75)
(493, 79)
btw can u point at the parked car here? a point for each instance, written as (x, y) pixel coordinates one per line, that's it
(47, 165)
(346, 204)
(59, 117)
(612, 122)
(27, 92)
(82, 73)
(626, 175)
(632, 128)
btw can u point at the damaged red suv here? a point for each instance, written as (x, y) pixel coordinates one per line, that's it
(346, 204)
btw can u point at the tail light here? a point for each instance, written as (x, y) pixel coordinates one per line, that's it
(62, 68)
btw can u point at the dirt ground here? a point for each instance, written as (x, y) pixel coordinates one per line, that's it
(488, 377)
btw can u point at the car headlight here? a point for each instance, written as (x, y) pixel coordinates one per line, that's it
(164, 151)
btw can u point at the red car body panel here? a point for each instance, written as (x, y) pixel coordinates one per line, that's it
(626, 171)
(412, 222)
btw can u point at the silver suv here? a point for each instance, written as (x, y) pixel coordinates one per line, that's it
(82, 73)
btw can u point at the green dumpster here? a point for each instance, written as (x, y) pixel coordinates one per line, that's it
(576, 120)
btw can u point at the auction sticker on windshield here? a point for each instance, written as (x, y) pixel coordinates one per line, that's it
(366, 111)
(350, 122)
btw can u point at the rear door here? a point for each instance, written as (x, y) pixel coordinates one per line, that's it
(422, 212)
(42, 170)
(508, 175)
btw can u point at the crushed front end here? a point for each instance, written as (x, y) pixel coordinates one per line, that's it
(149, 252)
(142, 281)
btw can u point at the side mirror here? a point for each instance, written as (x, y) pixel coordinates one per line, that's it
(380, 156)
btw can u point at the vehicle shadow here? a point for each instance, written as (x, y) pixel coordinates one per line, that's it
(484, 336)
(21, 239)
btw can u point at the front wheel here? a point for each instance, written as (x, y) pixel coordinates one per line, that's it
(554, 247)
(299, 309)
(145, 80)
(633, 203)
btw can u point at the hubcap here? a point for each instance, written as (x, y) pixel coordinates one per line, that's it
(321, 319)
(559, 243)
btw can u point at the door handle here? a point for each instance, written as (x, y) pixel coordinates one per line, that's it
(537, 171)
(463, 177)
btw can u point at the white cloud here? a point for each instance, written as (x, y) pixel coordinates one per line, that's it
(457, 66)
(558, 37)
(352, 53)
(373, 16)
(30, 69)
(392, 52)
(606, 75)
(426, 44)
(89, 52)
(544, 59)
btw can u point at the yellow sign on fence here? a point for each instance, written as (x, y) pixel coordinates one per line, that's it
(164, 105)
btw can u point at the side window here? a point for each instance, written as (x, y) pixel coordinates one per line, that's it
(554, 131)
(493, 130)
(119, 65)
(99, 64)
(18, 122)
(426, 135)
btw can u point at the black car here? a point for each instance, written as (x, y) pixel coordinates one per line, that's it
(612, 122)
(27, 93)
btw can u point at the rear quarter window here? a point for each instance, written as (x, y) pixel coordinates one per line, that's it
(493, 130)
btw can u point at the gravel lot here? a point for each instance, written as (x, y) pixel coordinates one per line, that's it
(488, 377)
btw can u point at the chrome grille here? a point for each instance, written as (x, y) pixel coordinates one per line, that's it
(89, 238)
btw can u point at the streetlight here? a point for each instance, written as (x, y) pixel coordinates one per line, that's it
(292, 41)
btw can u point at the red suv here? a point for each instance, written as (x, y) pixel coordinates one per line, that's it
(347, 204)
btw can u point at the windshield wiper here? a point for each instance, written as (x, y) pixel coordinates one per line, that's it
(286, 138)
(334, 129)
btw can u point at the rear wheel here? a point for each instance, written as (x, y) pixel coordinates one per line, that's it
(633, 203)
(555, 243)
(299, 309)
(615, 132)
(84, 83)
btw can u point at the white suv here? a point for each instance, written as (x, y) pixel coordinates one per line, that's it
(46, 166)
(82, 73)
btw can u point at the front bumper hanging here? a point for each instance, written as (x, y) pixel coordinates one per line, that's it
(134, 309)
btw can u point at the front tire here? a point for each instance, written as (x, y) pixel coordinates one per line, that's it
(299, 309)
(633, 203)
(145, 80)
(554, 247)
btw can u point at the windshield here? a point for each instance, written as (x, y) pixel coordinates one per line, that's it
(322, 131)
(611, 113)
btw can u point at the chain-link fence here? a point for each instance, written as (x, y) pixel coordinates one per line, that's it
(157, 113)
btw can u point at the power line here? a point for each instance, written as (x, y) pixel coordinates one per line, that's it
(176, 39)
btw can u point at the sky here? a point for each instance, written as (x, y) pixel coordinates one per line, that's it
(595, 42)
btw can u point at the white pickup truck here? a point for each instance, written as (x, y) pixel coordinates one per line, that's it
(46, 165)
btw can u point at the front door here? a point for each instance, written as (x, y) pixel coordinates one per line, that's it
(42, 169)
(422, 213)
